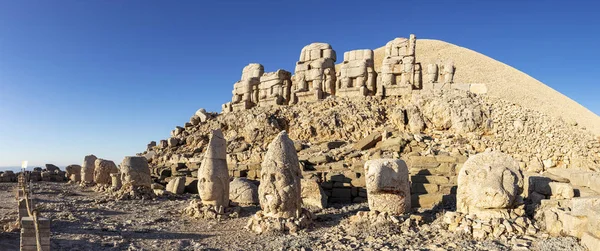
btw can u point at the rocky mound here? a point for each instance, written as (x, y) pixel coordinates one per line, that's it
(503, 81)
(344, 132)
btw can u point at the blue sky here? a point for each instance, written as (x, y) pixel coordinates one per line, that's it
(107, 77)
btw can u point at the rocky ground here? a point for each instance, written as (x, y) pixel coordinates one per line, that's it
(86, 220)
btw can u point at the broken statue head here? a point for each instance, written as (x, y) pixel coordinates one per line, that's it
(279, 190)
(489, 184)
(213, 176)
(388, 187)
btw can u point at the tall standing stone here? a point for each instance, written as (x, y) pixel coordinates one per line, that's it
(279, 191)
(87, 169)
(213, 175)
(135, 172)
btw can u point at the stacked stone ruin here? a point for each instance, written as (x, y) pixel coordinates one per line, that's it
(315, 77)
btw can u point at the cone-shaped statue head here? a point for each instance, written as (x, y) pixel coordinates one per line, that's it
(213, 176)
(279, 190)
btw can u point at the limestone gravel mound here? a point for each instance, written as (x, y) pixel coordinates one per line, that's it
(502, 80)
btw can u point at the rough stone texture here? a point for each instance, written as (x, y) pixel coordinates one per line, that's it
(73, 173)
(356, 76)
(499, 183)
(502, 81)
(213, 175)
(388, 187)
(103, 170)
(400, 73)
(135, 172)
(176, 185)
(315, 76)
(243, 192)
(52, 168)
(313, 196)
(246, 90)
(279, 191)
(87, 169)
(275, 88)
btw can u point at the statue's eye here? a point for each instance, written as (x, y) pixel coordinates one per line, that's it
(273, 177)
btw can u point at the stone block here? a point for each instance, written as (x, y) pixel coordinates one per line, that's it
(426, 200)
(561, 190)
(590, 241)
(478, 88)
(368, 141)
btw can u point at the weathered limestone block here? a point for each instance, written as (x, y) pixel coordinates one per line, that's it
(73, 173)
(245, 91)
(357, 76)
(135, 172)
(432, 73)
(275, 88)
(103, 170)
(172, 142)
(314, 75)
(87, 169)
(115, 180)
(447, 72)
(213, 175)
(313, 196)
(243, 192)
(561, 190)
(52, 168)
(398, 69)
(279, 191)
(488, 184)
(388, 187)
(590, 241)
(176, 185)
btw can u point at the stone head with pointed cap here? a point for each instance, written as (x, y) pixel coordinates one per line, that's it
(213, 175)
(279, 191)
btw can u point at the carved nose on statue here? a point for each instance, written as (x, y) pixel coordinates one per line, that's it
(495, 198)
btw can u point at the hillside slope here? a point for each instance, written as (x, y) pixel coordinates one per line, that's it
(503, 81)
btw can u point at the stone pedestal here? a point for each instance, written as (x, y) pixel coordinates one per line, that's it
(28, 236)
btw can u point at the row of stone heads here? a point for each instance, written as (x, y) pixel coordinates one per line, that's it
(315, 76)
(489, 183)
(134, 170)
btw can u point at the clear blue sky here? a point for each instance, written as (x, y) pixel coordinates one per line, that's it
(107, 77)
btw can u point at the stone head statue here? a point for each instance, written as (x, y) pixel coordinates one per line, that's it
(213, 175)
(488, 184)
(388, 187)
(279, 190)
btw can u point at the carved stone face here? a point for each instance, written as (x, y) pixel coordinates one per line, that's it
(213, 175)
(279, 191)
(488, 183)
(388, 187)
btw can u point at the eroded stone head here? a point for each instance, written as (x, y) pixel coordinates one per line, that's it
(213, 175)
(488, 184)
(279, 190)
(388, 187)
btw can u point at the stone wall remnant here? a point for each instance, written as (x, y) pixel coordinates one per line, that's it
(314, 76)
(398, 68)
(357, 76)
